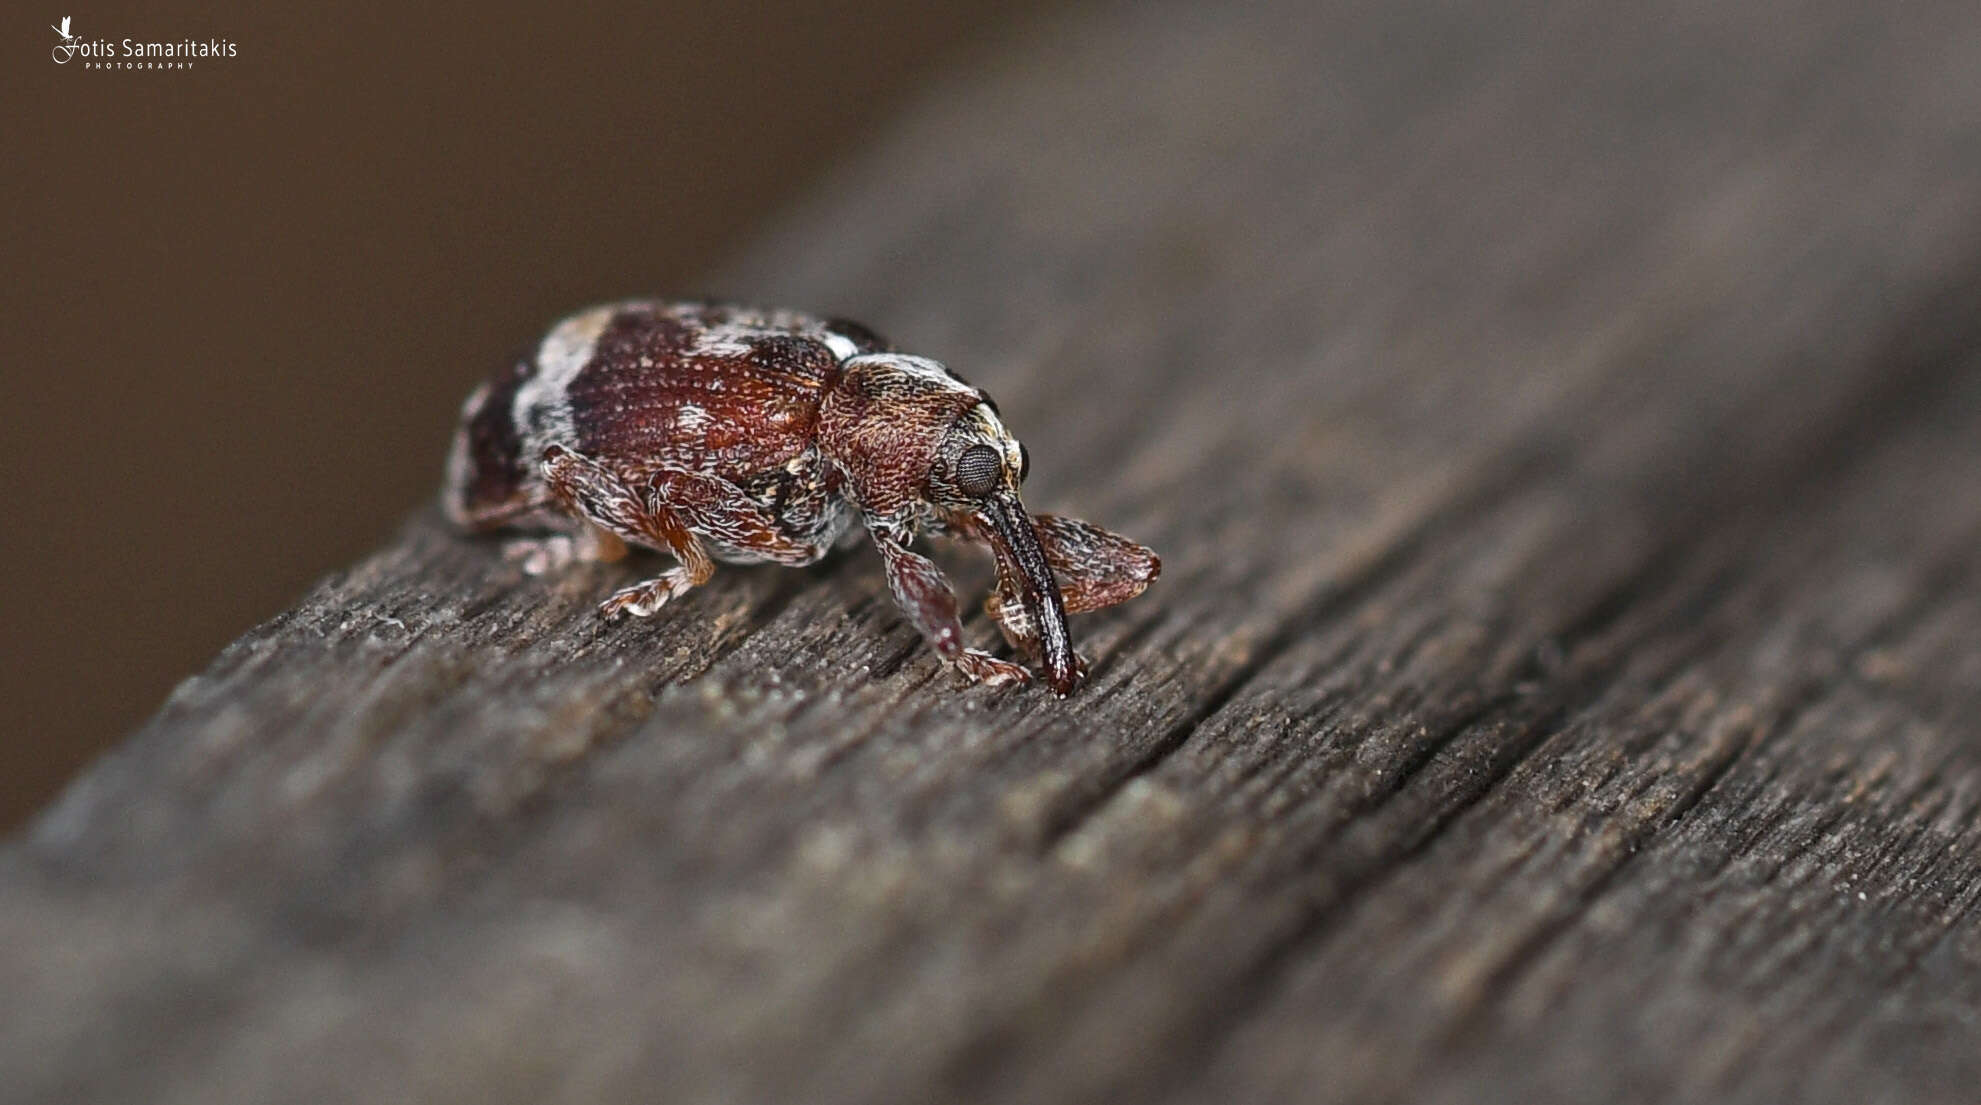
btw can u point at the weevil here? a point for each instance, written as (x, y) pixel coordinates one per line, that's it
(720, 432)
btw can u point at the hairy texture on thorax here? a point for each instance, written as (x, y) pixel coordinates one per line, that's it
(884, 430)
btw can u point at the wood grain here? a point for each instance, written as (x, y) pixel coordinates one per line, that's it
(1562, 432)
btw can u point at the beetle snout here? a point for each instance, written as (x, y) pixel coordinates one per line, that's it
(1016, 545)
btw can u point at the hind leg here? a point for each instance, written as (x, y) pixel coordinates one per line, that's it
(566, 540)
(552, 551)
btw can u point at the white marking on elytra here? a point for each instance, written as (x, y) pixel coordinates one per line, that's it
(565, 351)
(691, 418)
(842, 346)
(731, 339)
(569, 346)
(472, 405)
(460, 466)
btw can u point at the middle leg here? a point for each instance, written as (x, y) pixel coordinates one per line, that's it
(593, 493)
(671, 511)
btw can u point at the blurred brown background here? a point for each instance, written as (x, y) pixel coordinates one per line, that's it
(245, 299)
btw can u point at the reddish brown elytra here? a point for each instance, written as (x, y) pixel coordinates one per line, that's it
(717, 432)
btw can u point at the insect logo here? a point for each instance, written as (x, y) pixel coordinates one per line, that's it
(67, 48)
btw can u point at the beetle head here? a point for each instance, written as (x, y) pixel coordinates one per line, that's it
(915, 441)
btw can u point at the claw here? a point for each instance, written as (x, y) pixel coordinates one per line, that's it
(988, 670)
(643, 600)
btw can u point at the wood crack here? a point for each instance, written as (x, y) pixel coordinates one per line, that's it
(1322, 608)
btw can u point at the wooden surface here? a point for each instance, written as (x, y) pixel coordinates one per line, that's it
(1562, 430)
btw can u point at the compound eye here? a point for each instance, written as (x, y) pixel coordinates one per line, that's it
(977, 470)
(1024, 462)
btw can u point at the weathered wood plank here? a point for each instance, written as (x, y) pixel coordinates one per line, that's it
(1562, 435)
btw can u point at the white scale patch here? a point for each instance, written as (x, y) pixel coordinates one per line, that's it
(842, 346)
(728, 340)
(564, 353)
(691, 418)
(1014, 457)
(460, 466)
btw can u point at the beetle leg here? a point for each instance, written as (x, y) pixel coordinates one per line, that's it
(1093, 567)
(924, 595)
(550, 552)
(717, 509)
(569, 539)
(1007, 609)
(519, 512)
(593, 493)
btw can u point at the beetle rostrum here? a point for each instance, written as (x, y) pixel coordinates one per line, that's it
(719, 432)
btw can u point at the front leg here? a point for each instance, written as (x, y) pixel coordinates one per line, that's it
(551, 552)
(1094, 568)
(924, 595)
